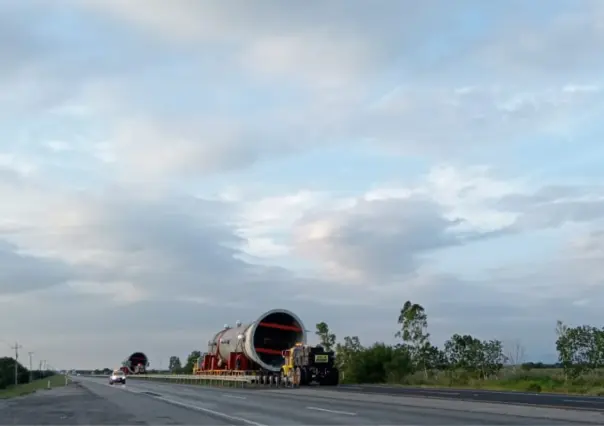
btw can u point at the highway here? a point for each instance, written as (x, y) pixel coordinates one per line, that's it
(523, 398)
(94, 401)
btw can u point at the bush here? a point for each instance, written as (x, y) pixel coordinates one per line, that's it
(7, 372)
(533, 387)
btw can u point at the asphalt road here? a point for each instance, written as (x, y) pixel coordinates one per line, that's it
(149, 402)
(523, 398)
(95, 405)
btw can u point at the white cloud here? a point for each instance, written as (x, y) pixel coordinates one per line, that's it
(386, 243)
(422, 119)
(182, 150)
(133, 131)
(317, 57)
(316, 42)
(382, 234)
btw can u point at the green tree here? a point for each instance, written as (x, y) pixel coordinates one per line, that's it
(7, 372)
(371, 364)
(413, 322)
(580, 349)
(174, 364)
(192, 359)
(328, 340)
(492, 358)
(476, 358)
(345, 355)
(433, 357)
(400, 366)
(463, 353)
(565, 350)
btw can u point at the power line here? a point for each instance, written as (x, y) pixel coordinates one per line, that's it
(16, 348)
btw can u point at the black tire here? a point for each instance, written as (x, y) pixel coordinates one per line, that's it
(335, 378)
(330, 379)
(303, 377)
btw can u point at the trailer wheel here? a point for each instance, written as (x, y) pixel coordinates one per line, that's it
(336, 378)
(333, 379)
(304, 377)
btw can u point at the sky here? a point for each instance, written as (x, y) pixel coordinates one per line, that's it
(170, 167)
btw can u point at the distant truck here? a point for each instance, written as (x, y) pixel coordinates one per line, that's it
(136, 363)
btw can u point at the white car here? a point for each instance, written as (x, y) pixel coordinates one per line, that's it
(117, 376)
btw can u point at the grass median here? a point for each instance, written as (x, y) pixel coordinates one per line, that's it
(538, 380)
(27, 388)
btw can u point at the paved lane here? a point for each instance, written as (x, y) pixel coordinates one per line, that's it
(528, 398)
(329, 407)
(78, 405)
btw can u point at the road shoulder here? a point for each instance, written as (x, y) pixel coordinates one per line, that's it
(69, 405)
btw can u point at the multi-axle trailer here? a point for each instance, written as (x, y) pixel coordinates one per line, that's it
(273, 348)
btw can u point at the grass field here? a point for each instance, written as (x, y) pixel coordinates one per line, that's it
(27, 388)
(537, 380)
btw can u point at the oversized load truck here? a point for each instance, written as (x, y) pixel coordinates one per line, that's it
(260, 348)
(254, 348)
(136, 363)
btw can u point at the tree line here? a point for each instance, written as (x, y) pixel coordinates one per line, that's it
(175, 366)
(462, 358)
(7, 373)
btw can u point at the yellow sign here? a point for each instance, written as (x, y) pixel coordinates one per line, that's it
(321, 358)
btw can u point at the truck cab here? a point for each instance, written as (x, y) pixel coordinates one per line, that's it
(304, 364)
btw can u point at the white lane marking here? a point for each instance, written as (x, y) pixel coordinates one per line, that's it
(196, 408)
(347, 413)
(233, 396)
(208, 411)
(441, 393)
(585, 401)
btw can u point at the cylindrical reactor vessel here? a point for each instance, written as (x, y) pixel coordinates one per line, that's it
(136, 363)
(262, 341)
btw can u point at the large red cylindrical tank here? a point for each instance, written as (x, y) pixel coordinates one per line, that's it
(261, 341)
(136, 363)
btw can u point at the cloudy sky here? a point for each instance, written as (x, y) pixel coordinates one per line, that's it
(170, 166)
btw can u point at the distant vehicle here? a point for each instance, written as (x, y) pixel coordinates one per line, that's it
(136, 363)
(118, 376)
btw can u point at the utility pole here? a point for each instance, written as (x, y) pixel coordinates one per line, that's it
(31, 371)
(16, 348)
